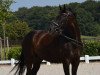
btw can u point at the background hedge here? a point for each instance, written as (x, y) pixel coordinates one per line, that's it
(14, 53)
(91, 48)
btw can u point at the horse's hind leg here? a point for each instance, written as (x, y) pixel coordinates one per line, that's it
(66, 68)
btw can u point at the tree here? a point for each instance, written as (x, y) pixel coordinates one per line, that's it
(37, 17)
(86, 21)
(16, 30)
(5, 10)
(4, 15)
(88, 16)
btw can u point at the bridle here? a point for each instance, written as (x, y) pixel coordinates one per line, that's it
(57, 28)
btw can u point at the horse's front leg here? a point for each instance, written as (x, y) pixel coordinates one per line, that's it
(66, 67)
(29, 71)
(75, 65)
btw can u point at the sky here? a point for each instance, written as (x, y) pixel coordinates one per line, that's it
(30, 3)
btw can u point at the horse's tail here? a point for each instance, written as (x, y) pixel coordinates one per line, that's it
(21, 63)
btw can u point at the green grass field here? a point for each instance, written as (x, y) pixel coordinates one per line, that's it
(88, 37)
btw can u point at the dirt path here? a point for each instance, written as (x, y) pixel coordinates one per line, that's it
(57, 69)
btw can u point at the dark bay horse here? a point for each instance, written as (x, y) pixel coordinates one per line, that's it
(62, 45)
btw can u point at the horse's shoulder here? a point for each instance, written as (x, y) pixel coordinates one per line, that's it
(44, 39)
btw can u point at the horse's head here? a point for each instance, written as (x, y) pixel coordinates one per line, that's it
(66, 17)
(66, 21)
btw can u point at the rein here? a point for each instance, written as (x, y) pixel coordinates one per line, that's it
(73, 41)
(57, 27)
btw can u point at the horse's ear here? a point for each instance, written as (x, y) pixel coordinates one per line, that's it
(69, 9)
(60, 7)
(64, 7)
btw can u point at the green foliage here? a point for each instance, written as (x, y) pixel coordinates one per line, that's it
(91, 48)
(16, 24)
(5, 14)
(37, 17)
(88, 16)
(16, 30)
(14, 53)
(5, 9)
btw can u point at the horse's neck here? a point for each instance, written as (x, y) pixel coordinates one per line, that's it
(78, 35)
(74, 30)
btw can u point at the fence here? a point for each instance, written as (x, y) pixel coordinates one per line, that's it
(86, 58)
(13, 62)
(4, 47)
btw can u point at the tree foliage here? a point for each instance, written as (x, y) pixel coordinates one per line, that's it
(88, 16)
(5, 14)
(5, 10)
(16, 30)
(17, 23)
(10, 26)
(37, 17)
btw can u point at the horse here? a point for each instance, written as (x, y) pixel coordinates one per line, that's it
(61, 44)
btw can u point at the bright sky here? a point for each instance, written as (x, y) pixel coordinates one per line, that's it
(30, 3)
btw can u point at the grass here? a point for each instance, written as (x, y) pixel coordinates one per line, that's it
(88, 37)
